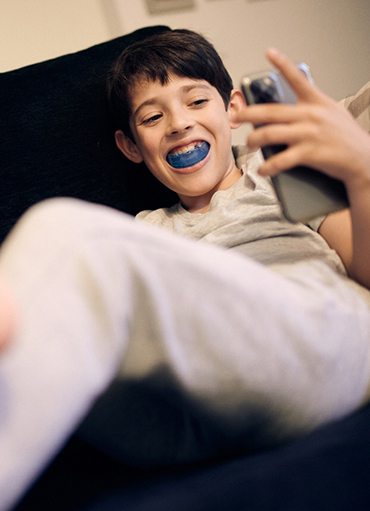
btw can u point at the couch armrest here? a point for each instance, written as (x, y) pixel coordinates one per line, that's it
(359, 106)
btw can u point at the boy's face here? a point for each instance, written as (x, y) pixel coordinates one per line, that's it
(183, 116)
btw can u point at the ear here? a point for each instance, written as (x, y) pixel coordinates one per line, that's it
(236, 104)
(128, 147)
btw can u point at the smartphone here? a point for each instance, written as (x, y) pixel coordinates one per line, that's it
(304, 193)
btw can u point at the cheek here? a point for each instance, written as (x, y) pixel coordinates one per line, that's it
(149, 142)
(220, 122)
(147, 147)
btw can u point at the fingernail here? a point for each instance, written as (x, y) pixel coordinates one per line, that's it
(273, 52)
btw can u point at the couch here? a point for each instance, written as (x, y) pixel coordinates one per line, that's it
(56, 141)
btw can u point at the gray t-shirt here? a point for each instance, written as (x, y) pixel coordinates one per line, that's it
(247, 217)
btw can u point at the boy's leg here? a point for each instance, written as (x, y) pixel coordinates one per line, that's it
(70, 332)
(99, 295)
(7, 313)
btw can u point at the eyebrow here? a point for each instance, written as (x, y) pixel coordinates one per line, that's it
(185, 89)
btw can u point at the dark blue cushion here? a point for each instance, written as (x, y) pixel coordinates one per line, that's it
(328, 469)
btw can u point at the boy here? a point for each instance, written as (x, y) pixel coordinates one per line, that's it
(155, 77)
(264, 334)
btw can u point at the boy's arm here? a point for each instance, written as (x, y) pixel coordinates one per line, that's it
(320, 133)
(348, 232)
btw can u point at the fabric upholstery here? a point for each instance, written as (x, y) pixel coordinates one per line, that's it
(55, 138)
(359, 106)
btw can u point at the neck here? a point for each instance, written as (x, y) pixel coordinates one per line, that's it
(201, 203)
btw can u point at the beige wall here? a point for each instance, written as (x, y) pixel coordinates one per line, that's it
(36, 30)
(333, 36)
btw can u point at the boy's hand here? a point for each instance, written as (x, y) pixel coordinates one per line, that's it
(318, 131)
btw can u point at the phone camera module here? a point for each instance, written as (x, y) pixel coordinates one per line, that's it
(265, 90)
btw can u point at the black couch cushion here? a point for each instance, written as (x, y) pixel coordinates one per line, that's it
(55, 137)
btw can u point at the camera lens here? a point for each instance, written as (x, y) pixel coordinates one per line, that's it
(264, 90)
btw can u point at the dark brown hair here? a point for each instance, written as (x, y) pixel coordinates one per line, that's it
(181, 52)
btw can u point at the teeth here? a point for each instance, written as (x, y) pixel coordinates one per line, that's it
(186, 149)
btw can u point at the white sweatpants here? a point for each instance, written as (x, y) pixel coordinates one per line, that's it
(100, 295)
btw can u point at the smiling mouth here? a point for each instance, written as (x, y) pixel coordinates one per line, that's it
(188, 155)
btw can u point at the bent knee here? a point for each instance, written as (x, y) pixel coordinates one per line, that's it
(50, 223)
(52, 212)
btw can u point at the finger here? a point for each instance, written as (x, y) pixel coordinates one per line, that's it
(280, 162)
(276, 135)
(271, 113)
(304, 89)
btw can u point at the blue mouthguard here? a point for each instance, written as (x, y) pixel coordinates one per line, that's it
(191, 157)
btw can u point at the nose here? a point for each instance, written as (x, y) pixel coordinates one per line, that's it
(179, 121)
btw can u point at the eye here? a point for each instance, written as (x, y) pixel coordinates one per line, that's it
(151, 120)
(199, 102)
